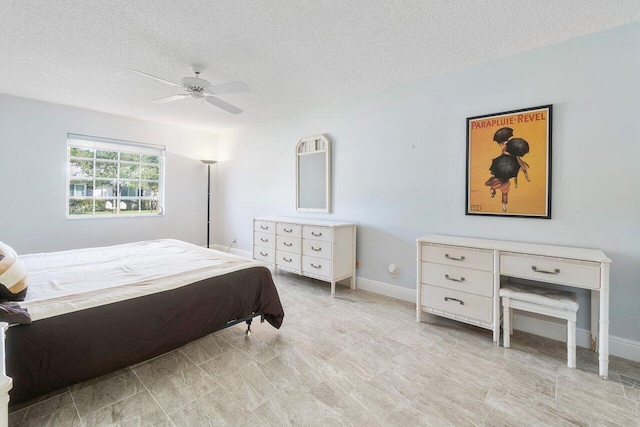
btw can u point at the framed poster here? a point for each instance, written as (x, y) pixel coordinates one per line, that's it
(509, 163)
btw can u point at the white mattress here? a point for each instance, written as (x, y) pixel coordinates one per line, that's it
(64, 282)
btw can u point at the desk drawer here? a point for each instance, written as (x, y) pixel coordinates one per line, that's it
(264, 226)
(264, 254)
(458, 303)
(289, 244)
(316, 248)
(458, 278)
(291, 230)
(551, 270)
(288, 261)
(317, 233)
(264, 239)
(459, 257)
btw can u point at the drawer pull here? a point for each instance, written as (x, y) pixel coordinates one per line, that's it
(264, 227)
(446, 276)
(263, 254)
(287, 244)
(316, 266)
(447, 256)
(555, 271)
(316, 249)
(454, 299)
(287, 259)
(264, 240)
(313, 233)
(288, 230)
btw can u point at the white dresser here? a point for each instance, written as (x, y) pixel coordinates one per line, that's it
(459, 278)
(324, 250)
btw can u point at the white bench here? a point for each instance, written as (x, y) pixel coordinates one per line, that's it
(548, 302)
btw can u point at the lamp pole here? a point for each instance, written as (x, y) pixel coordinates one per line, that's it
(208, 163)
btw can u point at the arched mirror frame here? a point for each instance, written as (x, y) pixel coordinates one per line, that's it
(314, 145)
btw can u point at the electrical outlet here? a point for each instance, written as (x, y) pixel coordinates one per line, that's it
(357, 264)
(393, 270)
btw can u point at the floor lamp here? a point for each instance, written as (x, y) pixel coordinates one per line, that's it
(208, 163)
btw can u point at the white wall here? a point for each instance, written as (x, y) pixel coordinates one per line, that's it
(399, 162)
(33, 143)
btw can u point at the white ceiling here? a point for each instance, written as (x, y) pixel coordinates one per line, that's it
(294, 54)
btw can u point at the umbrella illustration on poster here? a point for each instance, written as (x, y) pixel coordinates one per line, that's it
(519, 147)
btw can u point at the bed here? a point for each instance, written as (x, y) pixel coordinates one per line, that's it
(98, 310)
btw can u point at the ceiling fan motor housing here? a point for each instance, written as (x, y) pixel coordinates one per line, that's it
(194, 84)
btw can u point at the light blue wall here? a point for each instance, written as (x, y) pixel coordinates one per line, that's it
(399, 162)
(33, 155)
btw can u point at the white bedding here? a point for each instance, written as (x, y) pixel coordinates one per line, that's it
(64, 282)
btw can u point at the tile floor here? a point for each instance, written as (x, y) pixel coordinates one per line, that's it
(359, 359)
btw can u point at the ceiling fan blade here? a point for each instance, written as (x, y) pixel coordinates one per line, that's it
(225, 106)
(170, 98)
(157, 78)
(234, 87)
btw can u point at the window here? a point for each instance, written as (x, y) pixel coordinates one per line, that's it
(110, 178)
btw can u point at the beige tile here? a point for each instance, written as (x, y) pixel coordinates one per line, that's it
(248, 385)
(228, 362)
(206, 348)
(376, 394)
(333, 396)
(217, 408)
(538, 409)
(588, 392)
(16, 407)
(55, 411)
(139, 409)
(155, 369)
(542, 381)
(297, 407)
(173, 391)
(631, 387)
(92, 395)
(297, 368)
(358, 359)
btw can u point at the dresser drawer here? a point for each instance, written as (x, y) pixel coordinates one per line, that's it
(316, 266)
(289, 244)
(458, 278)
(288, 260)
(459, 303)
(264, 254)
(264, 239)
(316, 248)
(553, 270)
(292, 230)
(264, 226)
(317, 233)
(478, 259)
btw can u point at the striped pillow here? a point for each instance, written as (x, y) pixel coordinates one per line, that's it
(7, 250)
(13, 278)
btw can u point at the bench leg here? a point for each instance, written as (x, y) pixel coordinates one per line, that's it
(571, 343)
(506, 321)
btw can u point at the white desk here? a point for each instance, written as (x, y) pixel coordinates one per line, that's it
(459, 278)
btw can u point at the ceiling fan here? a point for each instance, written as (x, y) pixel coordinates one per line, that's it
(198, 88)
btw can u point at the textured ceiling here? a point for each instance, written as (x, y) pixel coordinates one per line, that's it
(294, 55)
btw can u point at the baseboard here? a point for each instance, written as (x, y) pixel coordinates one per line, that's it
(618, 346)
(381, 288)
(233, 251)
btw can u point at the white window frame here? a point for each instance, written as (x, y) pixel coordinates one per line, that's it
(108, 144)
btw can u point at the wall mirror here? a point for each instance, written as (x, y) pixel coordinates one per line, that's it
(313, 174)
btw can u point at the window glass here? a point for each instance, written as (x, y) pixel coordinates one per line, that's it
(108, 178)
